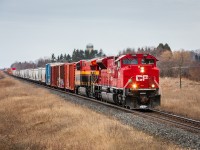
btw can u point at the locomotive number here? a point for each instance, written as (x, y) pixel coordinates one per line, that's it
(141, 77)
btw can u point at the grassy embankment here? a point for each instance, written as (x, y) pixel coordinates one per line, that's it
(33, 118)
(185, 101)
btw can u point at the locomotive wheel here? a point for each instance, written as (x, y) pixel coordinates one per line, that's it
(124, 103)
(76, 91)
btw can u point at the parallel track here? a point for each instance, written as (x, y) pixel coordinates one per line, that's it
(153, 114)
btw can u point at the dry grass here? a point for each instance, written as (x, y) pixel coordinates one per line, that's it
(32, 118)
(1, 75)
(185, 101)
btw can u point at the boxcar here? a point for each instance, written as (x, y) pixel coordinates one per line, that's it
(54, 72)
(69, 76)
(60, 75)
(49, 72)
(57, 75)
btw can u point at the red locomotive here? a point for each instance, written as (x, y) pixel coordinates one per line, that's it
(130, 80)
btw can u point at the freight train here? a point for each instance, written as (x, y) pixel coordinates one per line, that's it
(131, 81)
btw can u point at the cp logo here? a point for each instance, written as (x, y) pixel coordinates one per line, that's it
(141, 77)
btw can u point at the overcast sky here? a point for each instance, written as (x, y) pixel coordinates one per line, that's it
(32, 29)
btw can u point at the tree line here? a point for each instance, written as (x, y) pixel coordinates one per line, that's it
(74, 57)
(77, 55)
(155, 51)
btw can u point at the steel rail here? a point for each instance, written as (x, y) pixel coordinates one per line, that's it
(176, 116)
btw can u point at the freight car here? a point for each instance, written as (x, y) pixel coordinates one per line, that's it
(131, 81)
(41, 75)
(49, 73)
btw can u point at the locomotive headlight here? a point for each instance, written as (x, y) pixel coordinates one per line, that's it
(142, 69)
(153, 85)
(134, 86)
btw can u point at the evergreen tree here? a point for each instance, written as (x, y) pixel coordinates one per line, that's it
(166, 47)
(93, 54)
(78, 55)
(74, 55)
(81, 55)
(160, 47)
(53, 58)
(69, 58)
(65, 58)
(61, 58)
(58, 59)
(87, 54)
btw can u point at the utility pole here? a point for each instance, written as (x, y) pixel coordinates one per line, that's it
(180, 69)
(180, 73)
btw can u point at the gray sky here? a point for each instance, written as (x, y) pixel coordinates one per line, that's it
(32, 29)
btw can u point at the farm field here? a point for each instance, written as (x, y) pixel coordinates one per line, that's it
(33, 118)
(185, 101)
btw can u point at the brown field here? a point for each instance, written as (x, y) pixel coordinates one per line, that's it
(185, 101)
(32, 118)
(1, 75)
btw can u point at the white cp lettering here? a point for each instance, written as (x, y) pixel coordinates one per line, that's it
(141, 77)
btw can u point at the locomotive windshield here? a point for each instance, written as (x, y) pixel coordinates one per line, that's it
(147, 61)
(130, 61)
(78, 66)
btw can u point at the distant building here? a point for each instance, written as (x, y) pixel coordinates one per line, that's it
(89, 47)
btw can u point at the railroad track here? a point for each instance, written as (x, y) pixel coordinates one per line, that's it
(151, 114)
(184, 122)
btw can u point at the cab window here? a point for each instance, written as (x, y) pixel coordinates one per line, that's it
(78, 66)
(93, 67)
(130, 61)
(147, 61)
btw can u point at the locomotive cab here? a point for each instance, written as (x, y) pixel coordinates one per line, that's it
(86, 75)
(130, 80)
(140, 81)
